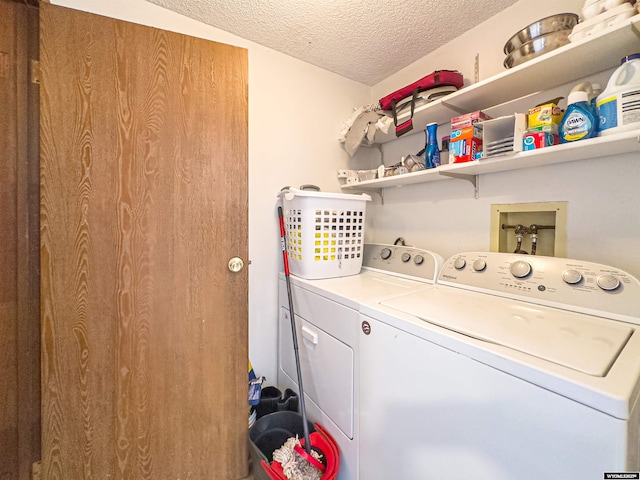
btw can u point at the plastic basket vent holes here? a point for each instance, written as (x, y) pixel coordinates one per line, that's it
(325, 232)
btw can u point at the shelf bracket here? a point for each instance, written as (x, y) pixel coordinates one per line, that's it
(474, 179)
(379, 191)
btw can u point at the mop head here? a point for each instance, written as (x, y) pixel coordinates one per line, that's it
(294, 466)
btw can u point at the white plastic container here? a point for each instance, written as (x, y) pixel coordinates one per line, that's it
(593, 8)
(325, 232)
(608, 18)
(619, 104)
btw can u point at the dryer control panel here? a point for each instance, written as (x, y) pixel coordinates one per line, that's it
(404, 260)
(574, 285)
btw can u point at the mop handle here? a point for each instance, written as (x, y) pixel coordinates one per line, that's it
(294, 334)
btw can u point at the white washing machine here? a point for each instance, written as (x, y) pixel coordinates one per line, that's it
(511, 367)
(328, 327)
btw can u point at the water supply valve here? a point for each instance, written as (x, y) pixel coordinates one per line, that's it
(532, 230)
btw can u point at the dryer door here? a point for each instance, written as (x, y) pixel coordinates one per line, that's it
(327, 369)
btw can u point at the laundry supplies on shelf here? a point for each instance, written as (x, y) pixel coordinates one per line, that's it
(579, 121)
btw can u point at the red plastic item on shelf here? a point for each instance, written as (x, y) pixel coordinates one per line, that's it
(439, 78)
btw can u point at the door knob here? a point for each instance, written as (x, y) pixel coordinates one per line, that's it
(236, 264)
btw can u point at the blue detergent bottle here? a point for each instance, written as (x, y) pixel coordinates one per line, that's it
(579, 121)
(431, 151)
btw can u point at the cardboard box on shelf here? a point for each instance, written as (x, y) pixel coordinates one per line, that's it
(535, 140)
(544, 118)
(468, 119)
(465, 144)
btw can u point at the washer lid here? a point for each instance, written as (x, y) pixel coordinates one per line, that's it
(581, 342)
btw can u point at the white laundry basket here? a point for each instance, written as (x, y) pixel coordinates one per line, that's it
(325, 232)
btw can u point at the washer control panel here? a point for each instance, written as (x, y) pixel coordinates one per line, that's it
(400, 259)
(570, 284)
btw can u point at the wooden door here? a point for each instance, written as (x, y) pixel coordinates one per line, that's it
(143, 203)
(19, 302)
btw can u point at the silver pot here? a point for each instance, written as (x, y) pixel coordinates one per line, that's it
(545, 26)
(536, 47)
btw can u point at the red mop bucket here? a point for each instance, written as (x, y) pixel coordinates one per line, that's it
(320, 439)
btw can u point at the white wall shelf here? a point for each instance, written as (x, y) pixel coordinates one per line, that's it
(593, 54)
(611, 145)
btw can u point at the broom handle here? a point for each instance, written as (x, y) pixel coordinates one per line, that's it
(294, 334)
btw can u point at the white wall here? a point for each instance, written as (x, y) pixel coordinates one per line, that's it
(295, 112)
(603, 219)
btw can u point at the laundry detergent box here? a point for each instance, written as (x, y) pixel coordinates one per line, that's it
(465, 144)
(535, 140)
(468, 119)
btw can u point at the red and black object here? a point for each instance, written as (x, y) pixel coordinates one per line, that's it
(307, 443)
(439, 78)
(316, 438)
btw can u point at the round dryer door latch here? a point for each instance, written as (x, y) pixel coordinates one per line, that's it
(366, 327)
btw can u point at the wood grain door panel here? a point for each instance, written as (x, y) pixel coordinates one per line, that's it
(19, 243)
(8, 242)
(143, 201)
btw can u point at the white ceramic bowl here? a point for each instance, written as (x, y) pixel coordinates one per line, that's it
(593, 9)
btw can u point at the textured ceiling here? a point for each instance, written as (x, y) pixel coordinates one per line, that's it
(364, 40)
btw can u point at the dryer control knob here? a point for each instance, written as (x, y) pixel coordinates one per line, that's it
(607, 282)
(571, 276)
(479, 265)
(385, 253)
(418, 259)
(406, 257)
(459, 263)
(520, 269)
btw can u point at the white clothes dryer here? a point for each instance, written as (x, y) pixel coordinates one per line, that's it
(328, 326)
(510, 367)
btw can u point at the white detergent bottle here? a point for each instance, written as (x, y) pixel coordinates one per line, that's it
(596, 89)
(619, 104)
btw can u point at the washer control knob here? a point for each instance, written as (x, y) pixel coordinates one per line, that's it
(385, 253)
(607, 282)
(418, 259)
(406, 257)
(571, 276)
(520, 269)
(459, 263)
(479, 265)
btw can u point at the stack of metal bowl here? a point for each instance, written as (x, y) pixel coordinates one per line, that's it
(539, 38)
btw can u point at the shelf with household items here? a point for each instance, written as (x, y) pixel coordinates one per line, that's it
(589, 55)
(610, 145)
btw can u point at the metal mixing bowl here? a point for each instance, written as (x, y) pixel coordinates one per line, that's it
(545, 26)
(536, 47)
